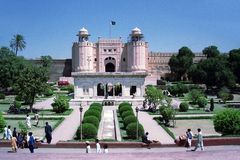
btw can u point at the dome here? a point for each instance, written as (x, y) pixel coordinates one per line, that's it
(136, 31)
(83, 31)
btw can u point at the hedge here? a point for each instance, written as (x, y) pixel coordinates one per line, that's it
(88, 131)
(2, 96)
(183, 107)
(127, 113)
(2, 123)
(129, 119)
(92, 112)
(91, 119)
(132, 130)
(98, 108)
(125, 108)
(60, 104)
(124, 104)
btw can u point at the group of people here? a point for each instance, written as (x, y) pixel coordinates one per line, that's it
(98, 147)
(199, 142)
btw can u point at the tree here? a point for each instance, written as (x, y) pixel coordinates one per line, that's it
(31, 82)
(234, 60)
(46, 62)
(211, 51)
(180, 63)
(154, 96)
(17, 43)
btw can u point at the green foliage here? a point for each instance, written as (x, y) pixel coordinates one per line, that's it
(23, 128)
(132, 130)
(88, 131)
(225, 94)
(17, 104)
(211, 51)
(211, 104)
(129, 119)
(124, 104)
(179, 89)
(194, 94)
(18, 98)
(183, 107)
(17, 43)
(2, 123)
(227, 121)
(96, 106)
(154, 95)
(2, 96)
(180, 63)
(202, 102)
(91, 119)
(48, 92)
(127, 113)
(234, 60)
(92, 112)
(69, 88)
(167, 113)
(60, 104)
(125, 108)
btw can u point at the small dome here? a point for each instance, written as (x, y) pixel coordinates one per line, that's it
(83, 31)
(136, 31)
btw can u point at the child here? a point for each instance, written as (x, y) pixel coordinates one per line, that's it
(88, 148)
(98, 147)
(105, 148)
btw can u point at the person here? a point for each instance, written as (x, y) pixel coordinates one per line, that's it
(31, 142)
(98, 147)
(20, 139)
(199, 142)
(189, 136)
(9, 133)
(48, 133)
(88, 147)
(14, 143)
(105, 148)
(14, 134)
(146, 140)
(36, 119)
(28, 121)
(5, 132)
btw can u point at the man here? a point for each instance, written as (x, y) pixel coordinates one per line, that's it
(28, 121)
(31, 142)
(199, 142)
(145, 139)
(5, 132)
(189, 138)
(9, 133)
(36, 119)
(48, 133)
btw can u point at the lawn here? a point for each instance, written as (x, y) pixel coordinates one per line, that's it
(37, 131)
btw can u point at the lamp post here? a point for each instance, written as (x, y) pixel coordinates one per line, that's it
(81, 109)
(137, 109)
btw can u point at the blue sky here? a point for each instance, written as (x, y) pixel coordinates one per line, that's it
(50, 26)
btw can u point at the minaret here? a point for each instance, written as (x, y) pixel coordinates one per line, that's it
(137, 51)
(82, 53)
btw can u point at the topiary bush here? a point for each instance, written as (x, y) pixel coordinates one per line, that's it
(60, 104)
(211, 104)
(123, 104)
(202, 102)
(92, 112)
(17, 104)
(2, 96)
(91, 119)
(132, 130)
(23, 128)
(129, 119)
(167, 113)
(125, 108)
(96, 106)
(127, 113)
(48, 92)
(227, 121)
(69, 88)
(2, 123)
(183, 107)
(194, 95)
(88, 131)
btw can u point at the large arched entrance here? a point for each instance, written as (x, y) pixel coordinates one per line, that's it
(100, 89)
(110, 67)
(118, 89)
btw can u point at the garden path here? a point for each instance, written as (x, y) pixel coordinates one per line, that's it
(45, 104)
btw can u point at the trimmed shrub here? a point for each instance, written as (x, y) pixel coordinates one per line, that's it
(227, 121)
(225, 94)
(48, 92)
(88, 131)
(23, 128)
(91, 119)
(132, 130)
(202, 102)
(60, 104)
(211, 104)
(2, 123)
(183, 107)
(124, 108)
(194, 94)
(124, 104)
(69, 88)
(127, 113)
(17, 104)
(18, 98)
(129, 119)
(2, 96)
(167, 113)
(92, 112)
(96, 106)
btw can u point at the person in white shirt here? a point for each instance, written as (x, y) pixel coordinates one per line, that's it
(98, 147)
(88, 148)
(5, 132)
(9, 133)
(105, 148)
(28, 121)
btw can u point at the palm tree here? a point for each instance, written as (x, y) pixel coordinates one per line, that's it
(17, 43)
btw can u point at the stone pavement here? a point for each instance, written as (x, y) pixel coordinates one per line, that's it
(45, 104)
(173, 153)
(67, 129)
(156, 132)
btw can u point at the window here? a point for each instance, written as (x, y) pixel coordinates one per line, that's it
(109, 50)
(85, 91)
(114, 50)
(124, 59)
(105, 50)
(95, 59)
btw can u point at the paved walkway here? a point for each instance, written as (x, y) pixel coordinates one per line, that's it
(45, 104)
(176, 153)
(156, 132)
(68, 128)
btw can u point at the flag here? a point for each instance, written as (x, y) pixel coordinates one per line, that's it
(113, 22)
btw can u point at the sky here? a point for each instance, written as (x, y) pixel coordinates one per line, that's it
(50, 26)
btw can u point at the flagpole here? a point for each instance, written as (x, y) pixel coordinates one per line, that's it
(110, 29)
